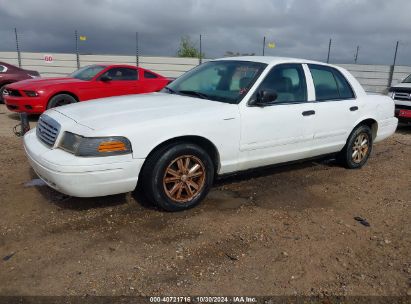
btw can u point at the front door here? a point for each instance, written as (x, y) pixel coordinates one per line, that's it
(123, 81)
(281, 131)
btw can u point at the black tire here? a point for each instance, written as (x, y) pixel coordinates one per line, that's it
(355, 153)
(156, 178)
(60, 100)
(1, 92)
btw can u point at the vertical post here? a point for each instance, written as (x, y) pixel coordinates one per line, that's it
(201, 52)
(137, 51)
(329, 50)
(17, 47)
(356, 54)
(263, 45)
(77, 52)
(393, 66)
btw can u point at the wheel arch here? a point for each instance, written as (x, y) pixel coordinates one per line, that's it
(201, 141)
(371, 123)
(62, 92)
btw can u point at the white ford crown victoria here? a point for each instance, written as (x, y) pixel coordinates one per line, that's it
(224, 116)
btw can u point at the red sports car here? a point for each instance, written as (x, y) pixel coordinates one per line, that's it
(34, 96)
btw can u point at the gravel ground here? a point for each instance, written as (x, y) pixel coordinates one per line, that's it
(281, 231)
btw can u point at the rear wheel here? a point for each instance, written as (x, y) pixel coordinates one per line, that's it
(60, 100)
(357, 149)
(178, 176)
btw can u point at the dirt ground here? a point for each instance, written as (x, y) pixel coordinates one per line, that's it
(281, 231)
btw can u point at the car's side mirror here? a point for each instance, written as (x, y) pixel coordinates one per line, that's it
(105, 78)
(265, 98)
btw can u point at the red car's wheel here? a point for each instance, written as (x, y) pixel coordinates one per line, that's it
(60, 100)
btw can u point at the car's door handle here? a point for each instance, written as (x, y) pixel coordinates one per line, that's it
(308, 113)
(355, 108)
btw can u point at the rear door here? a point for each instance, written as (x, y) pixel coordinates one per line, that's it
(336, 109)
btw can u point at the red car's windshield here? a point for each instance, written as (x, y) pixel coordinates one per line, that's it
(88, 72)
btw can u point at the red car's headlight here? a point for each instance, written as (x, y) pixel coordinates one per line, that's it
(31, 93)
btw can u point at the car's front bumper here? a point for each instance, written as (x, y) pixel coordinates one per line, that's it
(69, 174)
(30, 105)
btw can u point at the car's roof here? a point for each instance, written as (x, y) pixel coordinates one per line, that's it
(114, 65)
(271, 59)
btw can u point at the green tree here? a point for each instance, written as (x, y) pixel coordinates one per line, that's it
(188, 49)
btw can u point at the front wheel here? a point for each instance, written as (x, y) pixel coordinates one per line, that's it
(1, 93)
(178, 177)
(357, 149)
(60, 100)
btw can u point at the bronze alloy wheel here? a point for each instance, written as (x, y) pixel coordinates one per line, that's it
(184, 178)
(360, 148)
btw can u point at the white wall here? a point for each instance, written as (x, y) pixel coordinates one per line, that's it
(374, 78)
(64, 64)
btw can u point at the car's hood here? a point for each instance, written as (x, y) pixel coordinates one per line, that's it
(38, 83)
(403, 85)
(120, 111)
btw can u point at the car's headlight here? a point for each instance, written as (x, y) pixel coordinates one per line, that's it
(391, 94)
(95, 146)
(31, 93)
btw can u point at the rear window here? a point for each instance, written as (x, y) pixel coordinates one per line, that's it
(330, 84)
(149, 75)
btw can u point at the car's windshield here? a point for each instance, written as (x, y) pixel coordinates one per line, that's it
(226, 80)
(408, 79)
(88, 72)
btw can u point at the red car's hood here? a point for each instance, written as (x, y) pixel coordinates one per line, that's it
(38, 83)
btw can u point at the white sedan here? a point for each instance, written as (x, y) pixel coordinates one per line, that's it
(224, 116)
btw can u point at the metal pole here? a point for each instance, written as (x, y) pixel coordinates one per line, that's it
(356, 54)
(393, 65)
(263, 45)
(395, 54)
(137, 51)
(17, 47)
(201, 54)
(329, 50)
(77, 52)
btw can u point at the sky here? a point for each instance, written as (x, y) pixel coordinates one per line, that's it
(299, 28)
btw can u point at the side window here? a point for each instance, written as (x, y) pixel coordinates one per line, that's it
(288, 80)
(149, 75)
(330, 84)
(118, 74)
(2, 69)
(343, 86)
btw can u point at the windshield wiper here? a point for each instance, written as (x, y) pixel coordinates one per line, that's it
(194, 93)
(170, 90)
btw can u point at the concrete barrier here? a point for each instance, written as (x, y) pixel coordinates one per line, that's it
(374, 78)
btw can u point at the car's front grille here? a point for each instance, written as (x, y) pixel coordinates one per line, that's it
(402, 96)
(47, 130)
